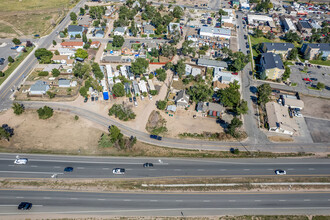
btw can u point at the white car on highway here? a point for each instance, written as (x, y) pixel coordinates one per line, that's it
(21, 161)
(118, 171)
(280, 172)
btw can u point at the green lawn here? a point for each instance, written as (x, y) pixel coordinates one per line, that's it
(14, 65)
(136, 46)
(110, 47)
(314, 88)
(152, 59)
(320, 62)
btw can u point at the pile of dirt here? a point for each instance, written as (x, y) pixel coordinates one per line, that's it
(156, 123)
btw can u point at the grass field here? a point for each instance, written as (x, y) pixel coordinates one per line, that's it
(320, 62)
(32, 16)
(110, 47)
(32, 5)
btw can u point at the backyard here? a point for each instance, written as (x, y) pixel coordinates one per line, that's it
(110, 47)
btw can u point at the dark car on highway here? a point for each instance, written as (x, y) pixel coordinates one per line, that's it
(156, 137)
(25, 206)
(68, 169)
(148, 165)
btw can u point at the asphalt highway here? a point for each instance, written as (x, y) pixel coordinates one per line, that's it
(169, 204)
(101, 167)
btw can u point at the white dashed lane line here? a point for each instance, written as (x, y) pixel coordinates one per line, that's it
(307, 200)
(80, 168)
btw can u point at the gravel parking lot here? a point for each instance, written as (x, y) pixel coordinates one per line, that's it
(316, 107)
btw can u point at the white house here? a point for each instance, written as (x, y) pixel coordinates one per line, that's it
(188, 69)
(196, 71)
(224, 77)
(66, 52)
(109, 73)
(120, 31)
(63, 83)
(143, 86)
(123, 71)
(215, 32)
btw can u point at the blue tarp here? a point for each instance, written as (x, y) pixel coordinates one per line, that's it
(105, 95)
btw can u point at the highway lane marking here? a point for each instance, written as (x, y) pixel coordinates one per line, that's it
(57, 167)
(200, 170)
(47, 197)
(152, 169)
(311, 169)
(11, 165)
(73, 198)
(177, 169)
(270, 169)
(290, 169)
(231, 200)
(127, 200)
(206, 200)
(179, 200)
(307, 200)
(282, 200)
(19, 197)
(246, 169)
(223, 169)
(28, 172)
(153, 200)
(257, 200)
(34, 166)
(165, 209)
(105, 168)
(80, 168)
(129, 169)
(101, 199)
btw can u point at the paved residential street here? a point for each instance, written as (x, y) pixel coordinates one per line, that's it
(40, 166)
(64, 203)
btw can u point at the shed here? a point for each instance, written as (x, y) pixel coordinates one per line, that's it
(64, 83)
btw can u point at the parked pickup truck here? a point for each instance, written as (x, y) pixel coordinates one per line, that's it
(156, 137)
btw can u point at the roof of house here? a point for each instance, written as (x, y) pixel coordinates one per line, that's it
(278, 46)
(293, 103)
(220, 31)
(305, 24)
(208, 62)
(99, 32)
(148, 27)
(323, 47)
(75, 28)
(171, 108)
(72, 43)
(199, 106)
(39, 86)
(215, 107)
(196, 71)
(143, 86)
(278, 116)
(272, 60)
(112, 59)
(65, 50)
(63, 82)
(50, 67)
(182, 95)
(95, 42)
(120, 29)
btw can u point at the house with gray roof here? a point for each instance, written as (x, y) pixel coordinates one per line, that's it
(311, 51)
(304, 27)
(182, 99)
(63, 83)
(271, 66)
(148, 29)
(215, 32)
(74, 30)
(39, 88)
(212, 63)
(120, 31)
(277, 48)
(136, 89)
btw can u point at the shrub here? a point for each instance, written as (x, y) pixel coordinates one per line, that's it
(83, 91)
(76, 117)
(45, 112)
(51, 94)
(18, 108)
(43, 73)
(121, 112)
(161, 105)
(55, 72)
(2, 74)
(153, 92)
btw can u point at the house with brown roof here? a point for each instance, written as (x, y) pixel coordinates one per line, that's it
(73, 44)
(95, 44)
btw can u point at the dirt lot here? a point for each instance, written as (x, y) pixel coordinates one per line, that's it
(183, 121)
(61, 133)
(316, 107)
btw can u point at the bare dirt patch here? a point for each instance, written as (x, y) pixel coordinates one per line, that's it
(59, 134)
(156, 123)
(280, 139)
(316, 107)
